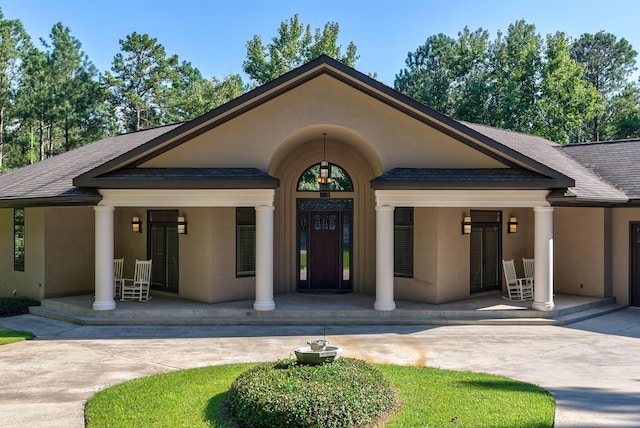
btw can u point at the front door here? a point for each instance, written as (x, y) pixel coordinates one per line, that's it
(324, 245)
(635, 264)
(163, 249)
(485, 251)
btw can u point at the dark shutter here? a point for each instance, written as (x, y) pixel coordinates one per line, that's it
(403, 242)
(245, 241)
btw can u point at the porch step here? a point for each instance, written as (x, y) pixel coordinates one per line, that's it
(64, 311)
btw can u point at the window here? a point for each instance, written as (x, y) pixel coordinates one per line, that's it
(340, 180)
(403, 242)
(18, 239)
(245, 241)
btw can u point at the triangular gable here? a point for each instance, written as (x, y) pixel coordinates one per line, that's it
(324, 65)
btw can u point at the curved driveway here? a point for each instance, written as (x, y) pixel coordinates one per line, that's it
(591, 367)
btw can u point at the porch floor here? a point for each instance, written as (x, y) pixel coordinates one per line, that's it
(323, 309)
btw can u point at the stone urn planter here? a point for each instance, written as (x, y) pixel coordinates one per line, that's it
(318, 344)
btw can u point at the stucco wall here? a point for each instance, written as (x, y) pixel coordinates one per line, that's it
(29, 283)
(70, 251)
(206, 253)
(581, 257)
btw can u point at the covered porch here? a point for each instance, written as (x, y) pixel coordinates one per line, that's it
(325, 309)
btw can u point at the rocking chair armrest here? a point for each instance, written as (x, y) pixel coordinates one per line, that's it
(123, 280)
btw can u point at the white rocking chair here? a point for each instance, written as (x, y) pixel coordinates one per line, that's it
(118, 265)
(529, 268)
(518, 288)
(137, 288)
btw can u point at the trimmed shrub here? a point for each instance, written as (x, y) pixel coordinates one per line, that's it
(343, 393)
(10, 306)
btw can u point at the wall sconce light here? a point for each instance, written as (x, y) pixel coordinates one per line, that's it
(512, 225)
(182, 225)
(136, 224)
(466, 225)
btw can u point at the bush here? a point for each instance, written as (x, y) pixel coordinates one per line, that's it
(343, 393)
(10, 306)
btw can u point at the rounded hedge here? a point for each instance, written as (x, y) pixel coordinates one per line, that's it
(343, 393)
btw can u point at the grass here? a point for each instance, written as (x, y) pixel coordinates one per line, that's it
(11, 336)
(428, 396)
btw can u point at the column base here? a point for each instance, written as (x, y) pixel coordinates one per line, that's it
(384, 306)
(264, 306)
(543, 306)
(106, 305)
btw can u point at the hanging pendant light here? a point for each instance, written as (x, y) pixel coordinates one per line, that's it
(324, 177)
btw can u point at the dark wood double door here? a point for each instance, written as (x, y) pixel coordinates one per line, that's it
(162, 248)
(634, 291)
(486, 251)
(324, 239)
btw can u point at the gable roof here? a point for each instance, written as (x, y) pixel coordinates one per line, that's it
(615, 162)
(324, 65)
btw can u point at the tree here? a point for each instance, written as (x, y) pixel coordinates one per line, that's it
(293, 47)
(624, 121)
(565, 99)
(515, 73)
(14, 45)
(430, 73)
(142, 75)
(608, 63)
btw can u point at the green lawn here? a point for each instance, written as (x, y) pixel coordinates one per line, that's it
(428, 396)
(10, 336)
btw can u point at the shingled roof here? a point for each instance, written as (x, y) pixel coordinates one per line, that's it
(588, 185)
(616, 162)
(50, 181)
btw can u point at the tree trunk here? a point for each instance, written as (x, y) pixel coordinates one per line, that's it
(137, 119)
(42, 140)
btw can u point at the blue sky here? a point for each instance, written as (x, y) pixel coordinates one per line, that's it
(212, 34)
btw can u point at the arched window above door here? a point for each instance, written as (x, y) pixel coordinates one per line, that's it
(339, 180)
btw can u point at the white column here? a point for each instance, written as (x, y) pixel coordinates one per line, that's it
(104, 259)
(264, 259)
(384, 259)
(543, 274)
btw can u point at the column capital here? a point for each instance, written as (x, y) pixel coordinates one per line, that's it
(543, 209)
(264, 207)
(385, 208)
(104, 208)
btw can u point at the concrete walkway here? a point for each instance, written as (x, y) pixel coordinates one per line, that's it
(591, 367)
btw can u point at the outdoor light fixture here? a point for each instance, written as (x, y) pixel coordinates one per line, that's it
(466, 225)
(136, 224)
(182, 225)
(324, 177)
(512, 224)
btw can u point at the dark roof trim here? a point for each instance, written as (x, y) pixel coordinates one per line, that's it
(355, 79)
(461, 178)
(59, 201)
(183, 178)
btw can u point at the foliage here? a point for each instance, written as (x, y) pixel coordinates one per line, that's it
(343, 393)
(607, 62)
(557, 88)
(294, 46)
(11, 336)
(10, 306)
(428, 397)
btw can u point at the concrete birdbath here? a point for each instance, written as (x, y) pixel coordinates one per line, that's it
(317, 352)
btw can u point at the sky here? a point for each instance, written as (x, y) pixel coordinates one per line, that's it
(212, 34)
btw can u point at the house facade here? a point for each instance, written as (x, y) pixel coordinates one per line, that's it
(322, 181)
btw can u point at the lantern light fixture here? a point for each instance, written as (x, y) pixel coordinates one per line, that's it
(324, 177)
(512, 224)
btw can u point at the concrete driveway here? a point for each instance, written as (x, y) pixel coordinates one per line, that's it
(591, 367)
